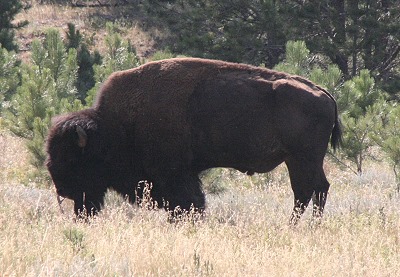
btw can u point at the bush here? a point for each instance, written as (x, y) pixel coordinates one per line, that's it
(9, 75)
(47, 88)
(8, 10)
(363, 107)
(120, 55)
(388, 138)
(86, 60)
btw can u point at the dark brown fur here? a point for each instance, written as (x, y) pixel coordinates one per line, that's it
(167, 121)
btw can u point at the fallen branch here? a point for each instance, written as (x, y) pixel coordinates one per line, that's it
(342, 163)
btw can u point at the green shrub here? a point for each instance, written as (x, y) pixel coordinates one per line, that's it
(47, 88)
(120, 55)
(9, 74)
(85, 59)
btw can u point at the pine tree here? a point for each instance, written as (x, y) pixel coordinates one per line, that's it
(363, 106)
(236, 30)
(354, 34)
(9, 75)
(120, 55)
(299, 61)
(388, 138)
(8, 10)
(47, 88)
(86, 60)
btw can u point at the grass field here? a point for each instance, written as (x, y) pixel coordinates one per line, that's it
(245, 231)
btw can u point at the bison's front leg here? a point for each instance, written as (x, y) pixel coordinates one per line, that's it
(181, 192)
(88, 204)
(189, 193)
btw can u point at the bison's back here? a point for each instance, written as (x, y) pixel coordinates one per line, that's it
(210, 113)
(164, 88)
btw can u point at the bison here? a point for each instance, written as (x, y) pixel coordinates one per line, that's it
(167, 121)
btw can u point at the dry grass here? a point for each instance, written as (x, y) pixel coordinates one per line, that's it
(245, 232)
(14, 159)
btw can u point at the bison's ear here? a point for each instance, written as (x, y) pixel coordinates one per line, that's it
(82, 136)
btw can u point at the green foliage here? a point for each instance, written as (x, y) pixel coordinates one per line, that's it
(8, 10)
(74, 37)
(357, 140)
(120, 55)
(355, 35)
(47, 88)
(299, 61)
(388, 138)
(75, 238)
(363, 108)
(162, 55)
(38, 136)
(330, 77)
(9, 74)
(86, 60)
(358, 93)
(238, 30)
(33, 96)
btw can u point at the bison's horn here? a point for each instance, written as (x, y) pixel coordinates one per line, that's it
(82, 136)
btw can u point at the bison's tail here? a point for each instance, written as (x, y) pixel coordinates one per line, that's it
(336, 136)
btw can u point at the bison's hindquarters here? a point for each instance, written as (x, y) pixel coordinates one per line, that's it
(308, 118)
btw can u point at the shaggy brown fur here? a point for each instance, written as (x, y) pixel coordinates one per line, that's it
(166, 121)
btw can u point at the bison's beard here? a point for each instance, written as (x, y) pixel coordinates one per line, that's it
(60, 200)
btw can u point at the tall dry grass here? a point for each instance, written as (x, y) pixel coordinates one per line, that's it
(245, 232)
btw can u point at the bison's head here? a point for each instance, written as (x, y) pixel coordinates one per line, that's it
(76, 152)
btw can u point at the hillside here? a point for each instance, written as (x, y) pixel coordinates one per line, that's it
(90, 21)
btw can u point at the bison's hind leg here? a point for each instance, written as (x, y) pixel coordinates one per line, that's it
(320, 195)
(308, 181)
